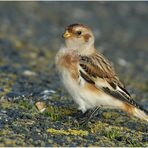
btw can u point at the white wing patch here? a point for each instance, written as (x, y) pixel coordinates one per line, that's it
(102, 83)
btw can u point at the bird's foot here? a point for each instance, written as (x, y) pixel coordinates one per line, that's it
(88, 115)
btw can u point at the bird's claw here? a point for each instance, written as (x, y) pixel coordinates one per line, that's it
(87, 116)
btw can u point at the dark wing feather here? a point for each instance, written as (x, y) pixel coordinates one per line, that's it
(86, 78)
(97, 66)
(93, 69)
(123, 98)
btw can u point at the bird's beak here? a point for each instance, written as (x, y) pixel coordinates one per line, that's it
(67, 34)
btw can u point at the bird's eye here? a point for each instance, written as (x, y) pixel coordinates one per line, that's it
(78, 32)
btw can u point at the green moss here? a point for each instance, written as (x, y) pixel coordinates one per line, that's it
(25, 104)
(5, 131)
(56, 113)
(23, 122)
(9, 142)
(50, 141)
(107, 115)
(6, 82)
(96, 127)
(68, 132)
(112, 133)
(5, 104)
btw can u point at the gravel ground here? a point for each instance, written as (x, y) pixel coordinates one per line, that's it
(30, 36)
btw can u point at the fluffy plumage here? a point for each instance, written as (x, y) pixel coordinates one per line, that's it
(89, 77)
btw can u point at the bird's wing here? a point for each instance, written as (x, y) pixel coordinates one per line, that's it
(97, 71)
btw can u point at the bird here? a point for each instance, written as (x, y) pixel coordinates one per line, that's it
(90, 78)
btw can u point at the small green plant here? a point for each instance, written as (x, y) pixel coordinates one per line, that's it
(112, 133)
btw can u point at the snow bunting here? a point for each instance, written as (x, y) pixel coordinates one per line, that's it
(89, 77)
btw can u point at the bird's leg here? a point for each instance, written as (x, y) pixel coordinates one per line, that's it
(88, 115)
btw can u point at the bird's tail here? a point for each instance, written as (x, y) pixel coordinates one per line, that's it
(136, 111)
(140, 114)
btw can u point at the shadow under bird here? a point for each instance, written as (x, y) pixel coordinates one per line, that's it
(89, 77)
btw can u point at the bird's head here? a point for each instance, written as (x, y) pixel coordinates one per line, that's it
(80, 38)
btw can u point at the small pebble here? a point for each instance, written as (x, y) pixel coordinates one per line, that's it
(48, 92)
(41, 106)
(29, 73)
